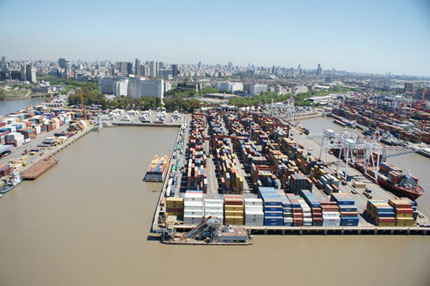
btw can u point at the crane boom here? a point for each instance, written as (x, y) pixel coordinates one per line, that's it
(84, 111)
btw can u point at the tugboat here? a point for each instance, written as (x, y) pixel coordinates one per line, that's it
(14, 180)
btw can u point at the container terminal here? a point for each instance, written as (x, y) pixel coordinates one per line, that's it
(253, 170)
(248, 171)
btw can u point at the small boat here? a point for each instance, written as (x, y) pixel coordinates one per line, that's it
(14, 180)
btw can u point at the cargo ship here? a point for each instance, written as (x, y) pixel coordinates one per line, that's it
(402, 185)
(157, 170)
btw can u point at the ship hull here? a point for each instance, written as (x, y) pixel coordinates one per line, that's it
(400, 191)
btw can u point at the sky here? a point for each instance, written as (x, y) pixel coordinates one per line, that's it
(377, 36)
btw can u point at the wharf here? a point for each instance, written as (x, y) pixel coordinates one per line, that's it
(137, 124)
(365, 226)
(308, 115)
(47, 154)
(320, 230)
(156, 217)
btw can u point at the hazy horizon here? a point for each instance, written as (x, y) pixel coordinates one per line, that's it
(357, 36)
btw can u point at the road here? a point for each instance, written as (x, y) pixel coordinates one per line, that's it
(16, 151)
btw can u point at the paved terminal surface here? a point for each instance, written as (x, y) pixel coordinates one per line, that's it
(365, 226)
(378, 192)
(17, 151)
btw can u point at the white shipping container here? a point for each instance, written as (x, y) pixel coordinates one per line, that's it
(253, 201)
(188, 212)
(11, 127)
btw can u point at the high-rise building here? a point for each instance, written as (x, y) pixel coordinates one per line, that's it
(175, 70)
(24, 72)
(3, 64)
(153, 69)
(123, 68)
(129, 68)
(62, 63)
(140, 87)
(144, 70)
(137, 67)
(30, 73)
(319, 70)
(67, 69)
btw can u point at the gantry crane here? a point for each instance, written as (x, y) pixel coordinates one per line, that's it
(84, 111)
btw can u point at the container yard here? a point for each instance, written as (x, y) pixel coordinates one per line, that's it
(407, 122)
(253, 170)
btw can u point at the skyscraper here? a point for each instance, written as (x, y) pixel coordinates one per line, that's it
(3, 64)
(24, 72)
(319, 70)
(67, 69)
(30, 73)
(153, 69)
(62, 63)
(175, 70)
(137, 67)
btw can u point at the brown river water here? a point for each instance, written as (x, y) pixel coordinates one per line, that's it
(87, 222)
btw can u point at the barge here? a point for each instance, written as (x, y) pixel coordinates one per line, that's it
(39, 169)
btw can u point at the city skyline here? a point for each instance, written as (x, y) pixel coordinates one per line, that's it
(363, 37)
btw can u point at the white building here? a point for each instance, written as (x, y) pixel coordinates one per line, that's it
(257, 89)
(141, 87)
(116, 86)
(226, 86)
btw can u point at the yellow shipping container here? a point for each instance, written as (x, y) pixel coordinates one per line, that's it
(404, 215)
(233, 213)
(174, 213)
(233, 207)
(386, 224)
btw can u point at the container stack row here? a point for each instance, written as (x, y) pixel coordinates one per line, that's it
(175, 206)
(298, 182)
(214, 208)
(297, 209)
(254, 212)
(231, 181)
(404, 212)
(381, 213)
(330, 214)
(193, 207)
(233, 210)
(348, 210)
(287, 208)
(273, 211)
(315, 206)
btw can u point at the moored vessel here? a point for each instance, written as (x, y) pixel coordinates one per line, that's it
(402, 185)
(157, 170)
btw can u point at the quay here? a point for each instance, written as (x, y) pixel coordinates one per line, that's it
(161, 220)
